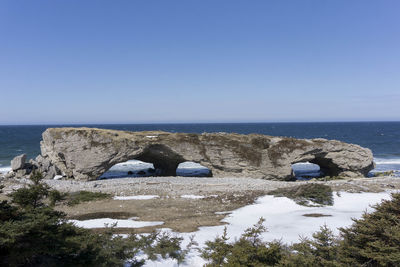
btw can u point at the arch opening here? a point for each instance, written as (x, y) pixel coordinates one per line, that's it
(306, 170)
(328, 168)
(193, 169)
(137, 169)
(157, 160)
(130, 168)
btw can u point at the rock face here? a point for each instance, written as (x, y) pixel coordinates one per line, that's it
(20, 168)
(18, 162)
(86, 153)
(45, 166)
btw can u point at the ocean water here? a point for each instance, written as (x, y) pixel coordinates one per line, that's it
(383, 138)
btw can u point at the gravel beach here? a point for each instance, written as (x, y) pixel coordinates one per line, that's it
(175, 186)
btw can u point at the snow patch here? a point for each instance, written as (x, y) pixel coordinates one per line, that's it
(222, 212)
(138, 197)
(103, 222)
(192, 196)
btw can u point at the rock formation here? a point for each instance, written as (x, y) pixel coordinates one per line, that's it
(18, 162)
(86, 153)
(20, 168)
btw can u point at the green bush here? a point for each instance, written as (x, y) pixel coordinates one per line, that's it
(84, 196)
(33, 234)
(307, 194)
(320, 251)
(374, 240)
(249, 250)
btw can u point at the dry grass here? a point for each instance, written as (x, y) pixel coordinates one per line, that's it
(179, 214)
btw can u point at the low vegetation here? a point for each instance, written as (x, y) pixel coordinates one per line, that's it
(329, 178)
(84, 196)
(382, 174)
(307, 194)
(248, 250)
(316, 215)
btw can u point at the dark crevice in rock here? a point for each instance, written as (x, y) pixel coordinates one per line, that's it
(328, 168)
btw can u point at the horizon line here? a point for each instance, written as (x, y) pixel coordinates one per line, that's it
(222, 122)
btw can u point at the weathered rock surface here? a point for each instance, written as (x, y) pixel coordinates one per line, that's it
(44, 165)
(86, 153)
(18, 162)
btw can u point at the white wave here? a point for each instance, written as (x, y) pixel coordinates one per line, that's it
(190, 165)
(387, 161)
(5, 169)
(303, 163)
(131, 165)
(306, 169)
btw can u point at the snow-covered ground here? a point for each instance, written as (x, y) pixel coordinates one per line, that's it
(100, 223)
(138, 197)
(284, 220)
(192, 196)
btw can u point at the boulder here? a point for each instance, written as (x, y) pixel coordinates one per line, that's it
(50, 173)
(21, 173)
(86, 153)
(10, 175)
(18, 162)
(42, 163)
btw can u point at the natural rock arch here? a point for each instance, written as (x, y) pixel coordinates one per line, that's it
(86, 153)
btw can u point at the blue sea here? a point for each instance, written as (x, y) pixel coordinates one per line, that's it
(383, 138)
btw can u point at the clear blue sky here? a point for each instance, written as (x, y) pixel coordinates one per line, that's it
(198, 61)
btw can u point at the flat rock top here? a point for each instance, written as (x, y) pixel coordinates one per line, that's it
(119, 134)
